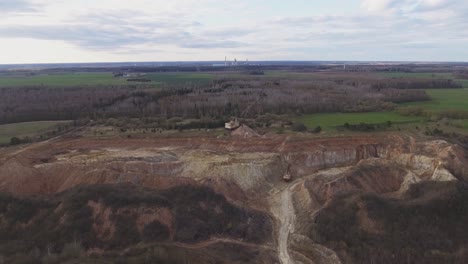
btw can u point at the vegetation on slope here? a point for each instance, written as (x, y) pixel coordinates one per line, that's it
(426, 226)
(28, 130)
(108, 217)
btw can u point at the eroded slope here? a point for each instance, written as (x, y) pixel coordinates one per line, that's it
(117, 218)
(227, 179)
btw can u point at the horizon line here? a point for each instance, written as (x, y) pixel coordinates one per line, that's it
(242, 61)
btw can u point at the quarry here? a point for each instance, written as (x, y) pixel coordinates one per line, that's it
(247, 172)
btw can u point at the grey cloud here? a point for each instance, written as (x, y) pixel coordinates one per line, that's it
(81, 35)
(120, 29)
(369, 32)
(426, 6)
(105, 37)
(98, 30)
(120, 32)
(210, 44)
(409, 7)
(134, 19)
(19, 6)
(227, 33)
(308, 21)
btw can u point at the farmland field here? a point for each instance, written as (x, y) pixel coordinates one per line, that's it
(28, 129)
(330, 121)
(442, 99)
(99, 79)
(65, 79)
(180, 78)
(445, 99)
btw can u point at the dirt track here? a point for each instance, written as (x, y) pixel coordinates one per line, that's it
(286, 216)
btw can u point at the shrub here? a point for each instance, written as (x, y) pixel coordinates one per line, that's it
(299, 127)
(15, 141)
(317, 129)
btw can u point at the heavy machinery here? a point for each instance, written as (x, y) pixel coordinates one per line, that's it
(235, 123)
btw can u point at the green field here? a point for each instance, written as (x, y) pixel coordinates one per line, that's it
(100, 79)
(65, 79)
(442, 99)
(331, 121)
(445, 99)
(180, 78)
(28, 129)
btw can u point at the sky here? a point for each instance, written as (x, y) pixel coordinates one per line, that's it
(61, 31)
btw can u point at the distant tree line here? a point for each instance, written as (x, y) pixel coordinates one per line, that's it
(220, 100)
(416, 84)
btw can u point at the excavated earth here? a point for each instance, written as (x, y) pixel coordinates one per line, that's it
(224, 200)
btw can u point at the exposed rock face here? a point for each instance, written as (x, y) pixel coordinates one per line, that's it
(373, 175)
(247, 172)
(252, 164)
(252, 172)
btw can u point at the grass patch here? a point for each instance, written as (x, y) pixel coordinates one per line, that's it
(331, 121)
(28, 129)
(180, 78)
(444, 99)
(100, 79)
(62, 80)
(451, 103)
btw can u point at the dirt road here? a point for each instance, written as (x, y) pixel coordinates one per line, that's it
(286, 224)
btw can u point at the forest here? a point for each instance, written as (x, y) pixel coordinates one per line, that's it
(226, 95)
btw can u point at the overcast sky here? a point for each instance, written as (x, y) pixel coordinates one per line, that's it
(45, 31)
